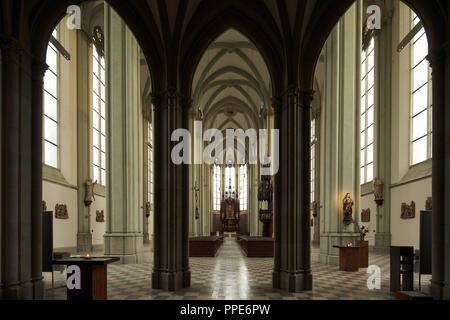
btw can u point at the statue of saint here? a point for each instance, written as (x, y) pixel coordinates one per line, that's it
(348, 209)
(89, 195)
(378, 191)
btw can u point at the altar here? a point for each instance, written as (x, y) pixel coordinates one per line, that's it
(230, 214)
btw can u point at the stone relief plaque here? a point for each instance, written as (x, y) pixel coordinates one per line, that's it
(61, 212)
(408, 211)
(100, 216)
(365, 215)
(429, 204)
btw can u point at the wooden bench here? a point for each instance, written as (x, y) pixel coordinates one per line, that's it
(256, 247)
(204, 246)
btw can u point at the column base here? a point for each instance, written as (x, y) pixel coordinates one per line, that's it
(171, 281)
(330, 255)
(146, 238)
(13, 292)
(382, 242)
(128, 247)
(22, 291)
(38, 289)
(84, 242)
(292, 281)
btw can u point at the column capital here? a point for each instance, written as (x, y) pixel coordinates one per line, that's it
(156, 101)
(38, 70)
(436, 58)
(307, 97)
(276, 103)
(10, 43)
(187, 103)
(292, 91)
(171, 98)
(299, 97)
(147, 108)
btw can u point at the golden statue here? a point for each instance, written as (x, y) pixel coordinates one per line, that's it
(348, 209)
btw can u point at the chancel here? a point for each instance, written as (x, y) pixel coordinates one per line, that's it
(94, 94)
(230, 211)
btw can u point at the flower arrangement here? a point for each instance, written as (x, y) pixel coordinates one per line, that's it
(363, 230)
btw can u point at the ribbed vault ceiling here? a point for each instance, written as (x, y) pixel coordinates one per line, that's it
(232, 84)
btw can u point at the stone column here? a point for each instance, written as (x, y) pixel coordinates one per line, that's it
(21, 171)
(1, 168)
(84, 235)
(124, 236)
(146, 225)
(253, 214)
(316, 115)
(440, 282)
(171, 260)
(292, 269)
(383, 122)
(341, 157)
(192, 177)
(38, 70)
(205, 208)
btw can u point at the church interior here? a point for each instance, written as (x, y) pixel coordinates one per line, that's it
(354, 105)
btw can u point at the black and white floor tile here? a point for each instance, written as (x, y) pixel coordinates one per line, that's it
(232, 276)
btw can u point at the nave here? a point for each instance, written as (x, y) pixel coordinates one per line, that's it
(232, 276)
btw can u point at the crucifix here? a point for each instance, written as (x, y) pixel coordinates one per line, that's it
(196, 190)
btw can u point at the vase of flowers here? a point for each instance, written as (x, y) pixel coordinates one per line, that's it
(364, 251)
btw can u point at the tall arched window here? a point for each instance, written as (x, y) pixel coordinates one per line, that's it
(243, 187)
(51, 107)
(230, 178)
(421, 104)
(367, 112)
(217, 172)
(98, 118)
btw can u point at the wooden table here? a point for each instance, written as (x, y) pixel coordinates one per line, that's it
(93, 277)
(349, 258)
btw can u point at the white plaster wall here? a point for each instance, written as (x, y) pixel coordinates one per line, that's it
(98, 229)
(64, 231)
(406, 232)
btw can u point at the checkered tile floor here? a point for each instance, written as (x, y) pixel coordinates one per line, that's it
(232, 276)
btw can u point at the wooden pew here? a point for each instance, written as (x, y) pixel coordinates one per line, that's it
(256, 247)
(205, 246)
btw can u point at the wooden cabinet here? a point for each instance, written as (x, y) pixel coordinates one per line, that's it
(402, 269)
